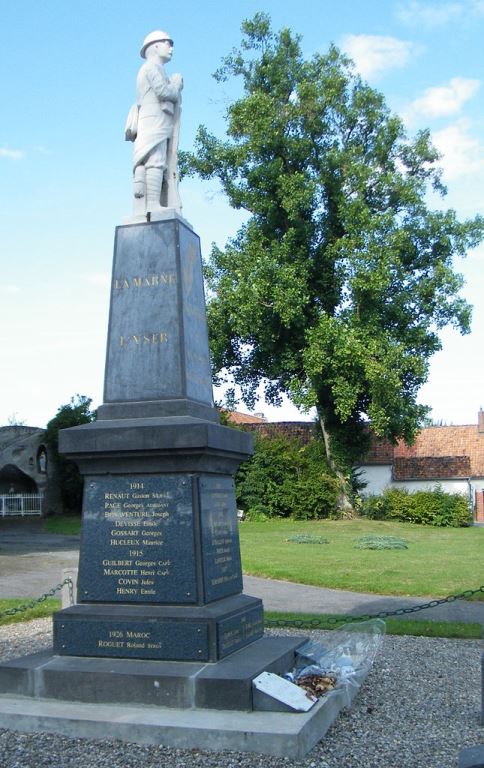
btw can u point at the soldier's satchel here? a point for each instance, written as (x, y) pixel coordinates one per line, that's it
(131, 129)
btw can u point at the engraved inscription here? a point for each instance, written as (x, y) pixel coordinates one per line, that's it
(139, 541)
(148, 338)
(126, 638)
(222, 567)
(147, 281)
(135, 639)
(238, 631)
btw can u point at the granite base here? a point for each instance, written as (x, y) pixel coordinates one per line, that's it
(160, 632)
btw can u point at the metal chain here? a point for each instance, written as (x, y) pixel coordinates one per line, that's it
(41, 599)
(333, 620)
(299, 623)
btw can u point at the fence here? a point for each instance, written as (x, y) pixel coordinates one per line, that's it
(20, 504)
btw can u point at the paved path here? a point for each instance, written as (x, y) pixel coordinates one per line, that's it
(286, 596)
(31, 563)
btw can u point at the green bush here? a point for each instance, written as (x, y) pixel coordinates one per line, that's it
(380, 542)
(306, 538)
(434, 507)
(287, 478)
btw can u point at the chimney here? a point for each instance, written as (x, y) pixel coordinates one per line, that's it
(480, 421)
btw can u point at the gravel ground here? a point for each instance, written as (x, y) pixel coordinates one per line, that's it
(418, 708)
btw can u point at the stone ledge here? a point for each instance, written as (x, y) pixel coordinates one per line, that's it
(271, 733)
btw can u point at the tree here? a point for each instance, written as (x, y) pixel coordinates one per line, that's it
(336, 288)
(65, 475)
(286, 477)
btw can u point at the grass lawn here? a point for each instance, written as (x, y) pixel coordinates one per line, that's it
(438, 561)
(69, 525)
(46, 608)
(414, 627)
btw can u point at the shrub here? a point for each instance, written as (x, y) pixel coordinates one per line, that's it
(305, 538)
(287, 478)
(380, 542)
(435, 507)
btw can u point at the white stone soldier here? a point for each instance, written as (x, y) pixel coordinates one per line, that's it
(153, 124)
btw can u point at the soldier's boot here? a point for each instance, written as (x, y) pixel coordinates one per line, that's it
(154, 181)
(139, 181)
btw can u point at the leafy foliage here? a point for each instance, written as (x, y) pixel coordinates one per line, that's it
(286, 478)
(66, 475)
(336, 288)
(380, 542)
(434, 507)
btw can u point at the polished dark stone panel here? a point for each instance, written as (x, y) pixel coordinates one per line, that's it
(157, 339)
(131, 639)
(234, 632)
(195, 333)
(143, 356)
(222, 570)
(138, 540)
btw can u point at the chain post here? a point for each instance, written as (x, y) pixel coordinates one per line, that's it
(38, 600)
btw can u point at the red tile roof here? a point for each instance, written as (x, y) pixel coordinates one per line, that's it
(245, 418)
(431, 467)
(438, 452)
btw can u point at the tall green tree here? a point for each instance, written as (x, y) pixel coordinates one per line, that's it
(336, 288)
(66, 476)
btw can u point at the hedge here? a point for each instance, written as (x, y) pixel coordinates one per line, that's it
(434, 507)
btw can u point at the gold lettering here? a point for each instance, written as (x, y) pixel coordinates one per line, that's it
(145, 281)
(144, 338)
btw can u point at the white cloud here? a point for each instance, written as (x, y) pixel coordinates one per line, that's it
(423, 13)
(445, 99)
(374, 54)
(9, 289)
(462, 154)
(431, 15)
(13, 154)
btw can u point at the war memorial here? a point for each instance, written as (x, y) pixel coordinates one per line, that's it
(161, 645)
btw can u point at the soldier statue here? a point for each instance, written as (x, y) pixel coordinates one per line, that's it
(153, 125)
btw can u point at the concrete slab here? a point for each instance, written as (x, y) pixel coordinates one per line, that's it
(272, 733)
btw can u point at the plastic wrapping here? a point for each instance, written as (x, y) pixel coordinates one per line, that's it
(347, 654)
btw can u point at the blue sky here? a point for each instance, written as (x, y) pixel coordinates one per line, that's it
(67, 75)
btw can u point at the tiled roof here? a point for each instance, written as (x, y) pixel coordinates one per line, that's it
(303, 430)
(381, 451)
(438, 452)
(245, 418)
(463, 440)
(431, 467)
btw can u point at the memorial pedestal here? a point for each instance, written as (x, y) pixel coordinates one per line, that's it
(160, 618)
